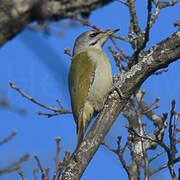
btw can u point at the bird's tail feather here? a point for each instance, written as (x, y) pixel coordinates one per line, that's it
(84, 119)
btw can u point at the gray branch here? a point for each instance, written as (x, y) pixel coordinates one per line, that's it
(15, 15)
(157, 57)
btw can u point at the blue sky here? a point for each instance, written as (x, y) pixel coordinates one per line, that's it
(37, 64)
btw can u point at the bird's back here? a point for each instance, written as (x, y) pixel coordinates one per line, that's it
(80, 77)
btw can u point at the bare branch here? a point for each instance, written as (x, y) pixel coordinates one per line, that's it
(159, 5)
(85, 22)
(40, 166)
(161, 71)
(123, 2)
(155, 16)
(16, 15)
(166, 4)
(158, 154)
(124, 56)
(117, 58)
(121, 38)
(134, 21)
(176, 116)
(5, 103)
(143, 152)
(7, 139)
(172, 140)
(164, 166)
(47, 173)
(56, 110)
(22, 175)
(15, 165)
(143, 38)
(177, 23)
(67, 51)
(158, 169)
(35, 171)
(120, 153)
(58, 139)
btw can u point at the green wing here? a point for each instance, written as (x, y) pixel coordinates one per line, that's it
(80, 79)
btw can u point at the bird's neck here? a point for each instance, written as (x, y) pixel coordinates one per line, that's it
(79, 50)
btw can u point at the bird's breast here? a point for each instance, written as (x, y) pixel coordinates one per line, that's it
(102, 82)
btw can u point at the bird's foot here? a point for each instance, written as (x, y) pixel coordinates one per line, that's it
(118, 92)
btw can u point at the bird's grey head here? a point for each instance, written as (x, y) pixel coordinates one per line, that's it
(91, 38)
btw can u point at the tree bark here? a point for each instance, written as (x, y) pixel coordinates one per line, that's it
(157, 57)
(15, 15)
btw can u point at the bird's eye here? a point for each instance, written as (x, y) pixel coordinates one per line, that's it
(94, 34)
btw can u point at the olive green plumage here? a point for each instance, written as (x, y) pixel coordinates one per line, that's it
(90, 78)
(79, 83)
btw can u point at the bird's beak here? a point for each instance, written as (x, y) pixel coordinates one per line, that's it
(104, 35)
(109, 32)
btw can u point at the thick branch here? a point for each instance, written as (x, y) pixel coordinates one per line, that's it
(17, 14)
(158, 56)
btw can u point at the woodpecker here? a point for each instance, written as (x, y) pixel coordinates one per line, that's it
(90, 78)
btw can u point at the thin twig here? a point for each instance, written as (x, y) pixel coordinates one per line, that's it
(155, 101)
(5, 103)
(142, 93)
(155, 16)
(67, 51)
(158, 169)
(56, 110)
(145, 39)
(7, 139)
(158, 154)
(166, 4)
(176, 116)
(121, 38)
(22, 175)
(120, 153)
(15, 165)
(163, 166)
(170, 124)
(147, 30)
(108, 147)
(22, 159)
(67, 156)
(172, 150)
(160, 72)
(58, 139)
(150, 109)
(162, 144)
(160, 5)
(86, 23)
(177, 23)
(117, 58)
(123, 2)
(40, 166)
(141, 151)
(47, 173)
(124, 56)
(134, 21)
(35, 171)
(144, 152)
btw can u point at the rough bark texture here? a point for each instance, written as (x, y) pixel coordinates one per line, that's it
(157, 57)
(15, 15)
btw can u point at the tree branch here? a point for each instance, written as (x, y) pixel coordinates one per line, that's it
(16, 15)
(157, 57)
(58, 111)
